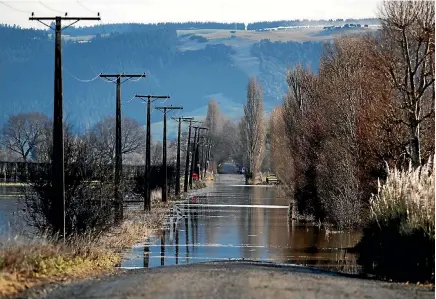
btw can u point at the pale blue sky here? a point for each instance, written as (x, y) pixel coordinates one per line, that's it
(150, 11)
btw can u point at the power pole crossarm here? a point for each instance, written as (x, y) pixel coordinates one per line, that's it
(65, 18)
(122, 75)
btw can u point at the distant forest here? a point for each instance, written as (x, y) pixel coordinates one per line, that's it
(131, 27)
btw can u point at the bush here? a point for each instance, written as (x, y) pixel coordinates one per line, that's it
(248, 177)
(398, 239)
(157, 178)
(88, 190)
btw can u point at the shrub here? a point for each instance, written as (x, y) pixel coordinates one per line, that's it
(88, 190)
(398, 239)
(157, 178)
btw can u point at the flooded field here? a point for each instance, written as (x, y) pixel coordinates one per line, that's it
(233, 221)
(10, 221)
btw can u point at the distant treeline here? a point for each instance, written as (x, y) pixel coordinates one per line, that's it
(290, 53)
(134, 27)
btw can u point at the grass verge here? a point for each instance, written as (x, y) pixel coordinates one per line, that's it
(38, 262)
(25, 265)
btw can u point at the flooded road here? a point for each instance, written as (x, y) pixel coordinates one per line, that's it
(233, 221)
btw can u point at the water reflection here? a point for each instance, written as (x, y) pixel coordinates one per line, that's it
(162, 249)
(244, 222)
(11, 220)
(228, 222)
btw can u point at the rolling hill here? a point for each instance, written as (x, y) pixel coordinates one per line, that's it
(191, 62)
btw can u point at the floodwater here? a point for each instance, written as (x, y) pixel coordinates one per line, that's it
(10, 207)
(233, 221)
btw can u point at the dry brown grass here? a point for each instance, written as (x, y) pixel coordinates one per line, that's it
(407, 192)
(398, 239)
(26, 264)
(137, 226)
(23, 265)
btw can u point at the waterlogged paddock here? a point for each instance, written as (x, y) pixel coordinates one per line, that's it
(10, 208)
(233, 221)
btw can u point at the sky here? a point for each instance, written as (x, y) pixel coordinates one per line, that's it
(152, 11)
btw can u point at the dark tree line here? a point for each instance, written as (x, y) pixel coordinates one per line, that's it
(289, 53)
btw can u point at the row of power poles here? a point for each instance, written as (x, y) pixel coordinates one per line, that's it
(58, 171)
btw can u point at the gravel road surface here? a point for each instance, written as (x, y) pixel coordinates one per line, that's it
(235, 279)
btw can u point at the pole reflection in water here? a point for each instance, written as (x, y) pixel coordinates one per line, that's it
(187, 234)
(162, 249)
(177, 246)
(146, 256)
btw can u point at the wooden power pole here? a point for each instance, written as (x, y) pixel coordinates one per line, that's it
(193, 157)
(118, 155)
(58, 164)
(179, 132)
(147, 195)
(194, 151)
(165, 109)
(197, 151)
(188, 149)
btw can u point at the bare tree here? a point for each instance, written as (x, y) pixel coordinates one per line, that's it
(102, 138)
(156, 153)
(2, 153)
(253, 128)
(226, 145)
(406, 57)
(281, 155)
(298, 79)
(214, 119)
(24, 132)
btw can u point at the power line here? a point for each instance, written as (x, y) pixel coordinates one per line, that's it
(13, 8)
(107, 80)
(131, 99)
(81, 80)
(86, 8)
(133, 80)
(49, 8)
